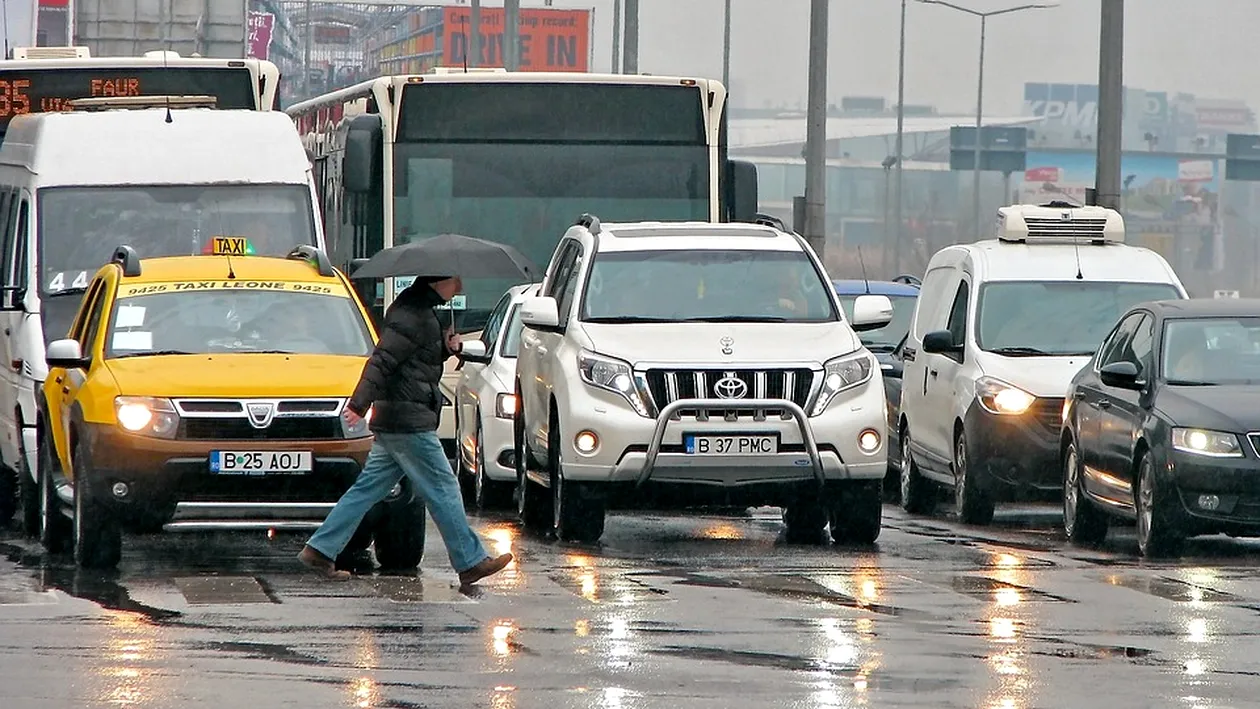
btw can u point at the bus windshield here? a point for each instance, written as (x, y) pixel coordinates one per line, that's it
(507, 163)
(80, 227)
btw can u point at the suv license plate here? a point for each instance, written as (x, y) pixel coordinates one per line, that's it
(763, 444)
(260, 462)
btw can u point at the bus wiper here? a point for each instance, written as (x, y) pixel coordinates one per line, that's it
(1018, 351)
(626, 319)
(76, 290)
(152, 353)
(739, 318)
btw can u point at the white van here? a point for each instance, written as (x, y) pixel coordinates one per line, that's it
(76, 185)
(1000, 328)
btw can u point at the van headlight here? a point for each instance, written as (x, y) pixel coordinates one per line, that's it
(505, 405)
(359, 429)
(998, 397)
(147, 416)
(1216, 444)
(841, 374)
(611, 375)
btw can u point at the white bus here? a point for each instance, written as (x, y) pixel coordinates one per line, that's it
(44, 79)
(514, 158)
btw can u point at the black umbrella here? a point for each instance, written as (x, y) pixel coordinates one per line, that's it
(448, 255)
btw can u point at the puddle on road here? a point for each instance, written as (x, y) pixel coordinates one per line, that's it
(101, 588)
(583, 578)
(222, 590)
(793, 586)
(987, 589)
(262, 651)
(406, 589)
(749, 658)
(1171, 589)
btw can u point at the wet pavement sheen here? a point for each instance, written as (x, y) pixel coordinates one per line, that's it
(669, 611)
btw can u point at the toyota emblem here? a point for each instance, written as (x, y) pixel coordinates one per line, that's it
(728, 345)
(730, 387)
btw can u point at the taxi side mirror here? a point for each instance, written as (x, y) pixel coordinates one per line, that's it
(65, 354)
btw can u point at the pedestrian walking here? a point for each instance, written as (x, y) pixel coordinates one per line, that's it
(400, 385)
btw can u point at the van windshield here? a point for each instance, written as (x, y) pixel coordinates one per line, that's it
(79, 227)
(1056, 317)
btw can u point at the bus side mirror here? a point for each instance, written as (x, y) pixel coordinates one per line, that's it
(362, 162)
(742, 183)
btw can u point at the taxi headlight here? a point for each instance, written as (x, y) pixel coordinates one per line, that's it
(998, 397)
(1216, 444)
(611, 375)
(359, 429)
(842, 374)
(147, 416)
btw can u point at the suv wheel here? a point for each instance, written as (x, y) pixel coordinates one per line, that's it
(917, 495)
(972, 502)
(1083, 522)
(399, 533)
(578, 512)
(97, 532)
(857, 517)
(807, 516)
(533, 505)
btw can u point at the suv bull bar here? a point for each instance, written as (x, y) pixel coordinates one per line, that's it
(670, 413)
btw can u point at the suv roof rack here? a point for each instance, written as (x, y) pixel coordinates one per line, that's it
(771, 221)
(590, 221)
(315, 257)
(127, 257)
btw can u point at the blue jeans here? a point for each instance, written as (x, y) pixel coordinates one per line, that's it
(421, 458)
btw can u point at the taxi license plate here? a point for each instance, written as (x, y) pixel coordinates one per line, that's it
(260, 462)
(741, 444)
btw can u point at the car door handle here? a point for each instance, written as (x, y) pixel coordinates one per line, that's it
(933, 373)
(1079, 396)
(1104, 404)
(542, 350)
(65, 390)
(59, 379)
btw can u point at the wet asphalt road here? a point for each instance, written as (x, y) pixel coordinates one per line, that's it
(670, 611)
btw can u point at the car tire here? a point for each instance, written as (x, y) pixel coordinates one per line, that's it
(858, 516)
(1160, 530)
(467, 486)
(917, 494)
(398, 535)
(54, 527)
(28, 490)
(533, 504)
(972, 502)
(578, 512)
(1083, 522)
(97, 532)
(488, 494)
(806, 517)
(9, 483)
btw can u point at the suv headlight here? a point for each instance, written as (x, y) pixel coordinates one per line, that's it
(505, 405)
(359, 429)
(841, 374)
(146, 416)
(611, 375)
(998, 397)
(1216, 444)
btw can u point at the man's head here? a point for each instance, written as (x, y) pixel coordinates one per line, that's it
(448, 288)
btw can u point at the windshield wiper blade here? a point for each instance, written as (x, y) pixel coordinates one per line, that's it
(153, 353)
(1016, 351)
(67, 291)
(1190, 383)
(879, 347)
(739, 318)
(265, 351)
(626, 319)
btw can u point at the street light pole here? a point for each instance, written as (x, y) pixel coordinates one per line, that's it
(984, 17)
(616, 40)
(816, 130)
(1110, 104)
(630, 58)
(899, 149)
(474, 34)
(511, 34)
(726, 48)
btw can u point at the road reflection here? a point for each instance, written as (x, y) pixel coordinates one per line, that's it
(1007, 619)
(126, 674)
(364, 691)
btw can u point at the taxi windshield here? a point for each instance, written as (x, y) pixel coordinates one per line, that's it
(193, 318)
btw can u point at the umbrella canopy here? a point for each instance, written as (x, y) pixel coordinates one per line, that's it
(449, 255)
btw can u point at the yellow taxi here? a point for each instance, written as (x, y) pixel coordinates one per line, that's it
(199, 393)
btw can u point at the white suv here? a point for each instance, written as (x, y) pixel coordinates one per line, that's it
(701, 361)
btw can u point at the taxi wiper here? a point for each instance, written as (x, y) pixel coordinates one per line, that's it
(152, 353)
(267, 351)
(1018, 351)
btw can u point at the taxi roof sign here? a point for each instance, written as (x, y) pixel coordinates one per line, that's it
(230, 246)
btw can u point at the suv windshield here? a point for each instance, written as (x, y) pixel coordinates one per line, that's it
(1212, 351)
(216, 321)
(81, 226)
(705, 285)
(1057, 317)
(886, 337)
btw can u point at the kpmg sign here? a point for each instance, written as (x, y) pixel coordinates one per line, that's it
(1075, 106)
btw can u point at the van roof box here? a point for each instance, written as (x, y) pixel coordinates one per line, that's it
(1059, 223)
(50, 53)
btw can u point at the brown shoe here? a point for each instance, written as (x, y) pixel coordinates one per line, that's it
(489, 566)
(322, 565)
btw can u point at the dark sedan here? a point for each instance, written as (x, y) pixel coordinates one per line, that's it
(1162, 426)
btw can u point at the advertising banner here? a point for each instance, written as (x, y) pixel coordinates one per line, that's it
(550, 39)
(52, 28)
(260, 26)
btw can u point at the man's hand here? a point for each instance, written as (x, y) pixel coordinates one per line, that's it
(454, 344)
(352, 419)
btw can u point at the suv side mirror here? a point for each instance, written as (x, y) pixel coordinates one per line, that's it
(938, 342)
(871, 312)
(1122, 375)
(540, 313)
(65, 354)
(475, 351)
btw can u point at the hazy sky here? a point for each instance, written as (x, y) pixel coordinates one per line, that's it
(1205, 47)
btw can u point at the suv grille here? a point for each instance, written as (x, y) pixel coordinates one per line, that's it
(669, 385)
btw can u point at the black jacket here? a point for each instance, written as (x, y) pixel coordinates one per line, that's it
(400, 379)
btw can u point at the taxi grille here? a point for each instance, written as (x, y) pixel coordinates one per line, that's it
(285, 419)
(281, 429)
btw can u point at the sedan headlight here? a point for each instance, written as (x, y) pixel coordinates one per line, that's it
(505, 406)
(359, 429)
(841, 374)
(147, 416)
(611, 375)
(998, 397)
(1217, 444)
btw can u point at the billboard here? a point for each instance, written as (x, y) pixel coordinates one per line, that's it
(550, 39)
(260, 26)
